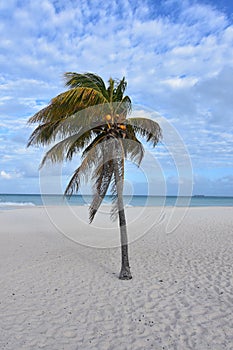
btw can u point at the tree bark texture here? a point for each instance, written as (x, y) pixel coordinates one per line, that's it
(125, 273)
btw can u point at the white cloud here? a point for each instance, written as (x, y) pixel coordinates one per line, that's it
(177, 57)
(5, 175)
(180, 82)
(10, 175)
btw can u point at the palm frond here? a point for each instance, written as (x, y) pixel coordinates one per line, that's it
(118, 176)
(68, 103)
(146, 128)
(46, 133)
(65, 149)
(119, 90)
(117, 186)
(85, 80)
(79, 122)
(43, 134)
(93, 159)
(80, 143)
(102, 176)
(110, 90)
(134, 150)
(123, 107)
(100, 137)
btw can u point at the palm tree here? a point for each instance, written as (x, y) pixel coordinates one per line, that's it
(92, 117)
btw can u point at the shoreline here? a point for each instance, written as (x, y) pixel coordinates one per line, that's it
(10, 200)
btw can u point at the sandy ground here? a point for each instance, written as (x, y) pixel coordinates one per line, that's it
(56, 294)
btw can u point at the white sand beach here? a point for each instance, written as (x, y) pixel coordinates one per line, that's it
(57, 294)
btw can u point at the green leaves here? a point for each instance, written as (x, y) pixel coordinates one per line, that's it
(76, 121)
(119, 90)
(67, 104)
(43, 134)
(86, 80)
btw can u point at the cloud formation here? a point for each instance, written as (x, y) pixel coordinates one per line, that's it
(177, 57)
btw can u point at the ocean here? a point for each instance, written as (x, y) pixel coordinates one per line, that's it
(13, 201)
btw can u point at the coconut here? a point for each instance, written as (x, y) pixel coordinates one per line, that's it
(108, 117)
(123, 127)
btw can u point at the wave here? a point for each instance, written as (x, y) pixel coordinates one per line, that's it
(16, 204)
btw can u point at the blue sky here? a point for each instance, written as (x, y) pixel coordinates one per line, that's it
(177, 57)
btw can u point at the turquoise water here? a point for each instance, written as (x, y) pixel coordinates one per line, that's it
(10, 201)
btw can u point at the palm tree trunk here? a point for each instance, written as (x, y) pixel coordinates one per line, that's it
(125, 273)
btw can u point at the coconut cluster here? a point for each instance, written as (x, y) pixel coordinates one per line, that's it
(117, 119)
(116, 124)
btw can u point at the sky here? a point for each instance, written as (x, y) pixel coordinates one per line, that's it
(177, 57)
